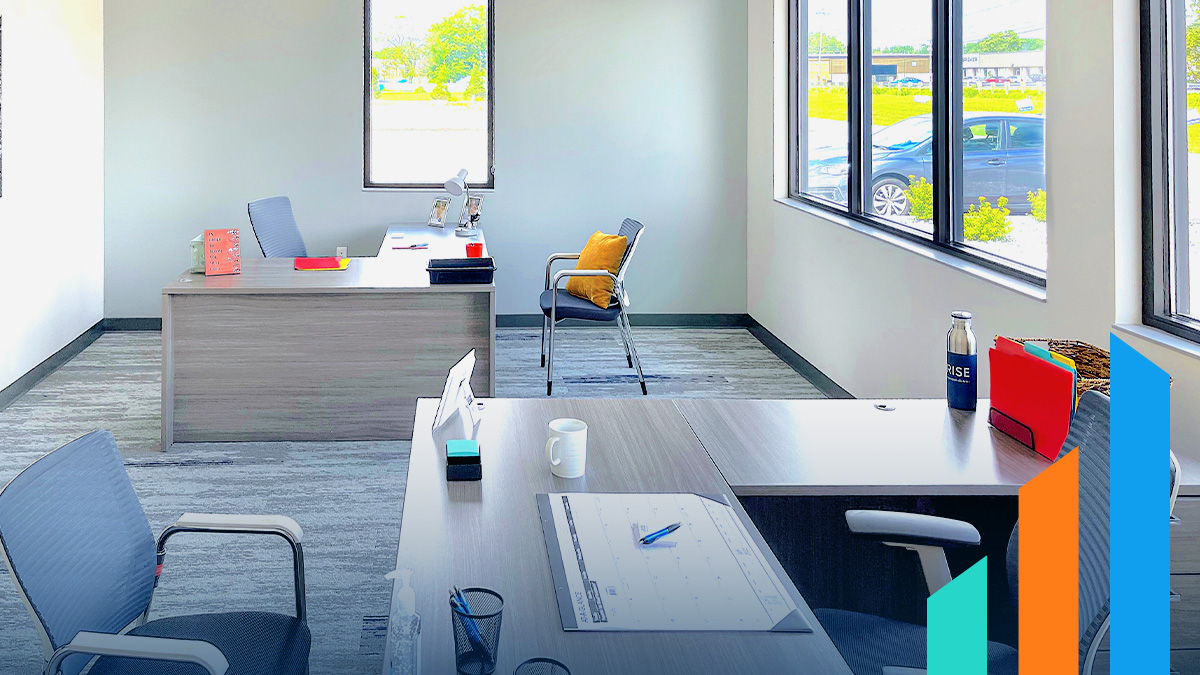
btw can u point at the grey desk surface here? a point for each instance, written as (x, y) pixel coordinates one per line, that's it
(391, 271)
(849, 447)
(488, 534)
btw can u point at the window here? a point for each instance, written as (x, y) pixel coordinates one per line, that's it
(427, 103)
(1170, 148)
(923, 126)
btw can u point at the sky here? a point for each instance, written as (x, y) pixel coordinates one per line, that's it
(411, 18)
(909, 22)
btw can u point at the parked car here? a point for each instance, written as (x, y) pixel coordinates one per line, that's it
(996, 80)
(907, 82)
(1003, 156)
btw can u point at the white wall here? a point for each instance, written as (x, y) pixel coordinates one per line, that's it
(51, 213)
(873, 316)
(603, 110)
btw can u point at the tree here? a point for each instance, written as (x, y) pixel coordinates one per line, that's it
(897, 49)
(1003, 41)
(822, 43)
(1191, 43)
(406, 57)
(476, 88)
(457, 45)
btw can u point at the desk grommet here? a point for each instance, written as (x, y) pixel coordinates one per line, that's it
(884, 407)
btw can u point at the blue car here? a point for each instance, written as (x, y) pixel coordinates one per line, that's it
(1004, 155)
(907, 82)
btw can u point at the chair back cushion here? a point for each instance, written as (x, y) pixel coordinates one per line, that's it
(77, 542)
(1089, 432)
(603, 252)
(275, 227)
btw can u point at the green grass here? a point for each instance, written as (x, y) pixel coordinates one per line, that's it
(1193, 101)
(889, 106)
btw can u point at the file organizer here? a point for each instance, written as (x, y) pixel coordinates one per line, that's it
(1032, 399)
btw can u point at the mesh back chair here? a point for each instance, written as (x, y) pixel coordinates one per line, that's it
(875, 645)
(557, 304)
(79, 549)
(275, 228)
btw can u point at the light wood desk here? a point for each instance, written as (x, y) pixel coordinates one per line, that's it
(488, 533)
(850, 447)
(275, 354)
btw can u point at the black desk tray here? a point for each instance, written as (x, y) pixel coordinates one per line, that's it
(461, 270)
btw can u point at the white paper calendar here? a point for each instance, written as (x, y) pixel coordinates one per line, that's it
(709, 575)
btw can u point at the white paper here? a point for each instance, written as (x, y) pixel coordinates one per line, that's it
(707, 575)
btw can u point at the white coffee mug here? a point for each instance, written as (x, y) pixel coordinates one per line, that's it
(566, 449)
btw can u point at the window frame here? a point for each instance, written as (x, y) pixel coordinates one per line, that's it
(1165, 265)
(947, 160)
(368, 55)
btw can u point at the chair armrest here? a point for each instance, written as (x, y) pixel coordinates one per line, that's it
(557, 256)
(927, 536)
(237, 523)
(896, 527)
(218, 523)
(201, 653)
(561, 274)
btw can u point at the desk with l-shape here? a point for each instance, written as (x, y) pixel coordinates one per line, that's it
(276, 354)
(489, 534)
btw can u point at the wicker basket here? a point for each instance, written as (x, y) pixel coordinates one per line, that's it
(1091, 362)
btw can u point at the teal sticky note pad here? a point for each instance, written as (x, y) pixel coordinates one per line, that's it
(462, 449)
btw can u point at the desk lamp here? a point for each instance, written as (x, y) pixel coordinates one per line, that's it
(457, 186)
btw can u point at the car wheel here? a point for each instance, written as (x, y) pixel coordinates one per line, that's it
(889, 199)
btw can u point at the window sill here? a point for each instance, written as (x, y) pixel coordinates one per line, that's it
(1161, 338)
(430, 189)
(928, 252)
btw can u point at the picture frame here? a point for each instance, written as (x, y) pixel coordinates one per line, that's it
(472, 209)
(437, 215)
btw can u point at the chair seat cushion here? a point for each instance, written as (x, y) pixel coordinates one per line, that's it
(869, 643)
(252, 642)
(571, 307)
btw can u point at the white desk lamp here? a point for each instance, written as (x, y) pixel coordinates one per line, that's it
(457, 186)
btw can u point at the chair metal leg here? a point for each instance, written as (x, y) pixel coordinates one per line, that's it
(550, 361)
(624, 342)
(637, 360)
(545, 320)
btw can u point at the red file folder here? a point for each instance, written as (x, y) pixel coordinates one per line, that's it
(326, 263)
(1034, 393)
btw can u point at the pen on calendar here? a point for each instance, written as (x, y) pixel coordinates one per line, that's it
(655, 536)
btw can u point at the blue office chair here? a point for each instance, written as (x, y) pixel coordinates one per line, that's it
(557, 304)
(874, 645)
(275, 228)
(79, 549)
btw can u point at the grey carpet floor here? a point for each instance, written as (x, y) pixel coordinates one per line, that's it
(347, 496)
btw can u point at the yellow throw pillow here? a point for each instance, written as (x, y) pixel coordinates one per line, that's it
(603, 252)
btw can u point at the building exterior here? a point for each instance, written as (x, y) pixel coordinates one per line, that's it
(826, 69)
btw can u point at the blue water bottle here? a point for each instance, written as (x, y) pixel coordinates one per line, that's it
(962, 361)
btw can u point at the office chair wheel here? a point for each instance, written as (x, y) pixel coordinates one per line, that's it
(549, 385)
(644, 392)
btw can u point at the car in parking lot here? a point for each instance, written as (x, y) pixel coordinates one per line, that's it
(907, 82)
(1003, 156)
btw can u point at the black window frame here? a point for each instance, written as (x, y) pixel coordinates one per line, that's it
(368, 56)
(1165, 259)
(946, 66)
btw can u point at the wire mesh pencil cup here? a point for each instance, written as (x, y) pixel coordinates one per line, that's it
(476, 630)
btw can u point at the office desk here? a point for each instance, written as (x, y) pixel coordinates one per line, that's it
(488, 533)
(275, 354)
(849, 447)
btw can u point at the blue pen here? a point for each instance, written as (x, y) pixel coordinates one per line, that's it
(655, 536)
(472, 628)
